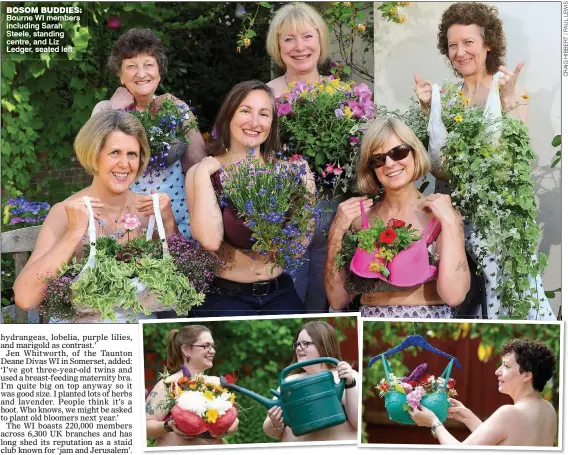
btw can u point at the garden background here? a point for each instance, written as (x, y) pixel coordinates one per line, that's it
(256, 351)
(475, 345)
(211, 46)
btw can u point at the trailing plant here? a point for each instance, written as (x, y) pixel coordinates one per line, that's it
(493, 189)
(556, 141)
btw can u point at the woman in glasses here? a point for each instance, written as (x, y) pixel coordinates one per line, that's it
(190, 351)
(392, 159)
(318, 339)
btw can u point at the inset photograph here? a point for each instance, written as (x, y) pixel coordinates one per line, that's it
(461, 383)
(288, 380)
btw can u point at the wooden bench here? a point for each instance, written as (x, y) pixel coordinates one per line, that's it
(21, 242)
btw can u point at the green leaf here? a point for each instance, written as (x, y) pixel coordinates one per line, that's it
(347, 70)
(8, 69)
(555, 163)
(265, 4)
(557, 140)
(250, 33)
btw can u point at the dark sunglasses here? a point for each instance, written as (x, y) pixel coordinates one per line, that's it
(397, 153)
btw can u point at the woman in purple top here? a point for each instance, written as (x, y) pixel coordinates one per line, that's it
(248, 284)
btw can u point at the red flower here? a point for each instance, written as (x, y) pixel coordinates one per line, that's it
(451, 383)
(296, 157)
(231, 378)
(113, 23)
(387, 236)
(384, 387)
(394, 223)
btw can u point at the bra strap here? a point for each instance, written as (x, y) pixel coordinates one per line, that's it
(156, 219)
(446, 373)
(432, 231)
(387, 368)
(91, 231)
(364, 222)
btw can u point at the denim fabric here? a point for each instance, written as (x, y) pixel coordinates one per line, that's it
(309, 277)
(224, 303)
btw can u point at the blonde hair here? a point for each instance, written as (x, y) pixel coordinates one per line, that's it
(92, 137)
(374, 138)
(292, 15)
(187, 336)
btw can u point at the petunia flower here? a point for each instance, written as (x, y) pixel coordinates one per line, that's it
(387, 236)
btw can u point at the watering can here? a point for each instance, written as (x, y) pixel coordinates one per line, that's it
(310, 403)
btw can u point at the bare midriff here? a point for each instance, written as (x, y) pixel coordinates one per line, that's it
(342, 432)
(427, 294)
(248, 267)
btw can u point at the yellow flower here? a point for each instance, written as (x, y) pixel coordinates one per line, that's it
(458, 118)
(329, 90)
(232, 398)
(401, 19)
(208, 394)
(320, 87)
(246, 42)
(460, 93)
(467, 101)
(525, 97)
(335, 83)
(212, 415)
(286, 91)
(346, 3)
(193, 386)
(348, 113)
(361, 27)
(393, 11)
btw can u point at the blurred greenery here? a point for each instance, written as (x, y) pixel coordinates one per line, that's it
(256, 351)
(492, 337)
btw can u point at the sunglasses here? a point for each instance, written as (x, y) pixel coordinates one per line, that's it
(397, 153)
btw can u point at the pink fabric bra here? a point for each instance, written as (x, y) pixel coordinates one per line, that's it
(408, 268)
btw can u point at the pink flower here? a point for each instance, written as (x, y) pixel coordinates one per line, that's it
(296, 157)
(407, 387)
(130, 222)
(355, 108)
(354, 140)
(284, 109)
(338, 170)
(113, 23)
(363, 91)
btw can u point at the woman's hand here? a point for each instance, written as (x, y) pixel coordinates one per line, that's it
(348, 211)
(422, 416)
(145, 205)
(508, 83)
(172, 424)
(423, 90)
(78, 214)
(440, 205)
(276, 419)
(344, 371)
(121, 98)
(209, 165)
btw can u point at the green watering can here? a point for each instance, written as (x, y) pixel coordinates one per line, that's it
(310, 403)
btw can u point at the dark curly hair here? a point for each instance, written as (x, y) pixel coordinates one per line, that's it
(534, 357)
(487, 18)
(134, 42)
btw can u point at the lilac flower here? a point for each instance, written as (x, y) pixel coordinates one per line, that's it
(284, 109)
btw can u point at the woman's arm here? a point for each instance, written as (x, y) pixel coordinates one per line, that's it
(273, 425)
(511, 93)
(453, 271)
(195, 151)
(204, 211)
(461, 413)
(61, 232)
(350, 395)
(155, 415)
(334, 280)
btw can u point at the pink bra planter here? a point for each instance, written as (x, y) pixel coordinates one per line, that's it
(408, 268)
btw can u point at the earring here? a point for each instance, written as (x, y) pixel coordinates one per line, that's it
(187, 357)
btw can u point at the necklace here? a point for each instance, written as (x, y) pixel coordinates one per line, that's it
(121, 212)
(286, 79)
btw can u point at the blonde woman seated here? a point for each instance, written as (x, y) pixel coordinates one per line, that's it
(318, 339)
(112, 146)
(189, 350)
(392, 159)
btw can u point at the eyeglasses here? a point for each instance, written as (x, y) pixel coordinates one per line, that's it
(302, 344)
(397, 153)
(207, 347)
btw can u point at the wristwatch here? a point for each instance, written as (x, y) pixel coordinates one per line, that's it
(433, 428)
(350, 386)
(167, 427)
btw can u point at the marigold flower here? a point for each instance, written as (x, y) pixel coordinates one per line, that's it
(361, 27)
(401, 19)
(212, 415)
(458, 118)
(525, 96)
(393, 11)
(193, 386)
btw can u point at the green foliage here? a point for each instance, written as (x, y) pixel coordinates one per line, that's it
(493, 189)
(556, 141)
(256, 350)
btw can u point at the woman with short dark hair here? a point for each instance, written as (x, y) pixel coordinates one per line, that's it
(527, 365)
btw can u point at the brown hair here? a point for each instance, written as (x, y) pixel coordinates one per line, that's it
(293, 15)
(222, 141)
(374, 138)
(324, 338)
(93, 134)
(134, 42)
(484, 16)
(186, 336)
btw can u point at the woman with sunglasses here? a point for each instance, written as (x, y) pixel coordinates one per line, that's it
(190, 351)
(392, 159)
(318, 339)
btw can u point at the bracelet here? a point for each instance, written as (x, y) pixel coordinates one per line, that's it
(433, 428)
(167, 427)
(353, 384)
